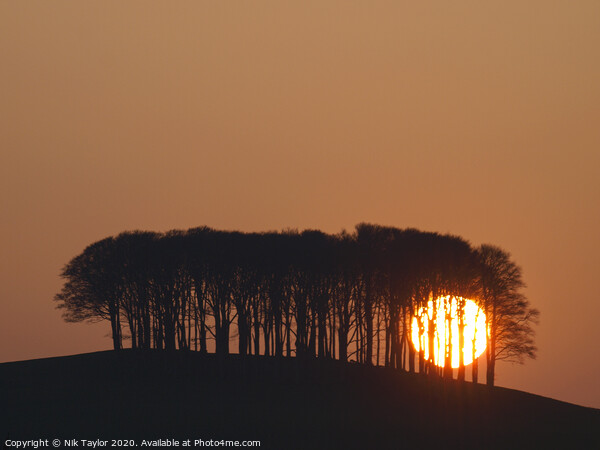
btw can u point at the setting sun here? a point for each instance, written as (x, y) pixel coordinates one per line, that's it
(446, 311)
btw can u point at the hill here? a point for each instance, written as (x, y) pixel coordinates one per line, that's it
(284, 403)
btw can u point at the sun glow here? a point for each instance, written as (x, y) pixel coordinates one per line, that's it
(438, 315)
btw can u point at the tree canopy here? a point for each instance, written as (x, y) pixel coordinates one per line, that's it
(350, 296)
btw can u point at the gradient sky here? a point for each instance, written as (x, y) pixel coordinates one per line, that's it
(480, 119)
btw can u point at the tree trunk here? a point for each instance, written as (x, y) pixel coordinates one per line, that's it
(115, 325)
(368, 306)
(491, 363)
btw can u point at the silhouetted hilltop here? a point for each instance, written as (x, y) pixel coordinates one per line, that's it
(284, 403)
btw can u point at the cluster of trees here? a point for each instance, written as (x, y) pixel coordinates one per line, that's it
(350, 296)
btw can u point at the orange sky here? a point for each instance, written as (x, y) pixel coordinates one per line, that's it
(473, 118)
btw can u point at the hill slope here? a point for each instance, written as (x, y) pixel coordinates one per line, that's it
(285, 403)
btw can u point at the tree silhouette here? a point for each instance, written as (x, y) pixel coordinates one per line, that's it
(93, 288)
(508, 314)
(350, 296)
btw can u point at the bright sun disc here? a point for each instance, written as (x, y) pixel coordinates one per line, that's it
(446, 312)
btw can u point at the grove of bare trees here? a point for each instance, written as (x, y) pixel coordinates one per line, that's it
(349, 296)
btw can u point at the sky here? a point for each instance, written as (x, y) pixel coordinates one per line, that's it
(480, 119)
